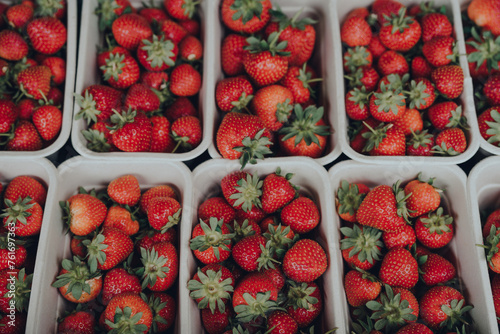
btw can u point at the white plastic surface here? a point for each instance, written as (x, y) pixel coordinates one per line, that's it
(341, 9)
(45, 172)
(69, 86)
(88, 74)
(55, 247)
(461, 251)
(483, 186)
(322, 61)
(313, 180)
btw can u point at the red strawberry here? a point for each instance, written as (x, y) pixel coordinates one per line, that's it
(392, 62)
(23, 186)
(361, 246)
(108, 249)
(355, 31)
(423, 197)
(495, 290)
(302, 215)
(216, 207)
(210, 287)
(24, 138)
(173, 31)
(493, 219)
(399, 268)
(251, 253)
(281, 322)
(185, 80)
(233, 94)
(446, 115)
(132, 131)
(491, 89)
(232, 54)
(180, 9)
(152, 14)
(440, 51)
(125, 190)
(415, 328)
(19, 15)
(164, 213)
(216, 322)
(108, 11)
(410, 122)
(156, 53)
(401, 238)
(160, 266)
(244, 137)
(161, 141)
(97, 102)
(305, 302)
(24, 215)
(118, 67)
(130, 29)
(117, 281)
(79, 322)
(187, 131)
(357, 57)
(156, 80)
(192, 26)
(15, 287)
(191, 48)
(84, 213)
(8, 115)
(300, 81)
(349, 197)
(376, 47)
(47, 34)
(57, 66)
(12, 254)
(273, 104)
(435, 269)
(157, 191)
(488, 123)
(141, 98)
(164, 310)
(420, 68)
(357, 104)
(305, 261)
(128, 310)
(450, 141)
(181, 107)
(12, 45)
(443, 306)
(246, 17)
(365, 76)
(435, 24)
(400, 32)
(211, 242)
(379, 209)
(34, 81)
(449, 80)
(485, 13)
(122, 219)
(421, 94)
(242, 190)
(277, 191)
(77, 247)
(48, 121)
(150, 237)
(434, 230)
(385, 140)
(387, 105)
(360, 288)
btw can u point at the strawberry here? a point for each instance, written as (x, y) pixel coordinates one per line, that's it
(423, 197)
(77, 247)
(152, 14)
(25, 108)
(186, 131)
(156, 53)
(375, 47)
(435, 24)
(24, 215)
(281, 322)
(141, 98)
(109, 10)
(488, 122)
(493, 219)
(108, 249)
(301, 214)
(365, 76)
(357, 104)
(401, 238)
(160, 266)
(251, 253)
(384, 8)
(132, 131)
(130, 29)
(491, 89)
(355, 31)
(48, 121)
(181, 107)
(233, 94)
(306, 134)
(349, 197)
(216, 322)
(435, 269)
(415, 328)
(79, 322)
(84, 213)
(357, 57)
(161, 141)
(180, 9)
(410, 122)
(157, 191)
(387, 105)
(12, 45)
(173, 31)
(450, 141)
(446, 115)
(361, 246)
(24, 138)
(449, 80)
(164, 213)
(247, 16)
(358, 11)
(384, 140)
(305, 261)
(211, 242)
(383, 208)
(300, 82)
(392, 62)
(399, 268)
(421, 94)
(19, 15)
(482, 60)
(124, 190)
(443, 306)
(305, 302)
(243, 137)
(216, 207)
(495, 290)
(156, 80)
(210, 287)
(360, 287)
(400, 32)
(76, 282)
(23, 186)
(8, 115)
(440, 51)
(420, 67)
(34, 81)
(164, 310)
(57, 67)
(98, 137)
(148, 238)
(434, 230)
(277, 191)
(485, 13)
(122, 219)
(491, 245)
(118, 67)
(97, 102)
(191, 48)
(273, 104)
(192, 26)
(12, 254)
(117, 281)
(128, 310)
(185, 80)
(242, 190)
(46, 34)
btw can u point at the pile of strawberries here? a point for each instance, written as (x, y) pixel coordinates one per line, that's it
(399, 273)
(259, 263)
(21, 216)
(268, 98)
(124, 258)
(32, 73)
(151, 78)
(403, 81)
(482, 44)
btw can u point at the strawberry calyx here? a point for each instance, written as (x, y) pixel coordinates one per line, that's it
(96, 140)
(283, 111)
(365, 243)
(443, 149)
(189, 7)
(278, 239)
(212, 237)
(241, 231)
(417, 95)
(95, 251)
(17, 212)
(114, 66)
(242, 102)
(300, 295)
(156, 306)
(254, 149)
(303, 125)
(266, 258)
(248, 192)
(159, 51)
(246, 10)
(125, 322)
(48, 7)
(494, 127)
(360, 97)
(456, 119)
(401, 197)
(294, 22)
(211, 290)
(120, 119)
(391, 312)
(356, 57)
(375, 136)
(488, 49)
(348, 198)
(87, 104)
(389, 98)
(256, 307)
(152, 267)
(362, 327)
(490, 244)
(420, 139)
(256, 45)
(438, 223)
(399, 22)
(106, 11)
(306, 78)
(20, 284)
(77, 276)
(455, 313)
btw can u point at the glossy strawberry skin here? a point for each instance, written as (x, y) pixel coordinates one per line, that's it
(130, 29)
(264, 68)
(47, 34)
(399, 268)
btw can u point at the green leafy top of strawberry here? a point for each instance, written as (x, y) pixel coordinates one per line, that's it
(356, 57)
(488, 49)
(106, 13)
(417, 94)
(303, 125)
(401, 198)
(212, 238)
(17, 212)
(299, 295)
(455, 313)
(437, 222)
(87, 104)
(211, 290)
(363, 327)
(306, 78)
(240, 330)
(246, 9)
(47, 7)
(278, 238)
(96, 140)
(241, 231)
(256, 45)
(348, 197)
(396, 81)
(391, 311)
(159, 51)
(494, 127)
(156, 306)
(420, 138)
(124, 322)
(254, 149)
(95, 249)
(490, 244)
(284, 22)
(114, 66)
(365, 242)
(248, 192)
(399, 22)
(389, 98)
(152, 267)
(266, 259)
(120, 119)
(375, 136)
(255, 307)
(78, 273)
